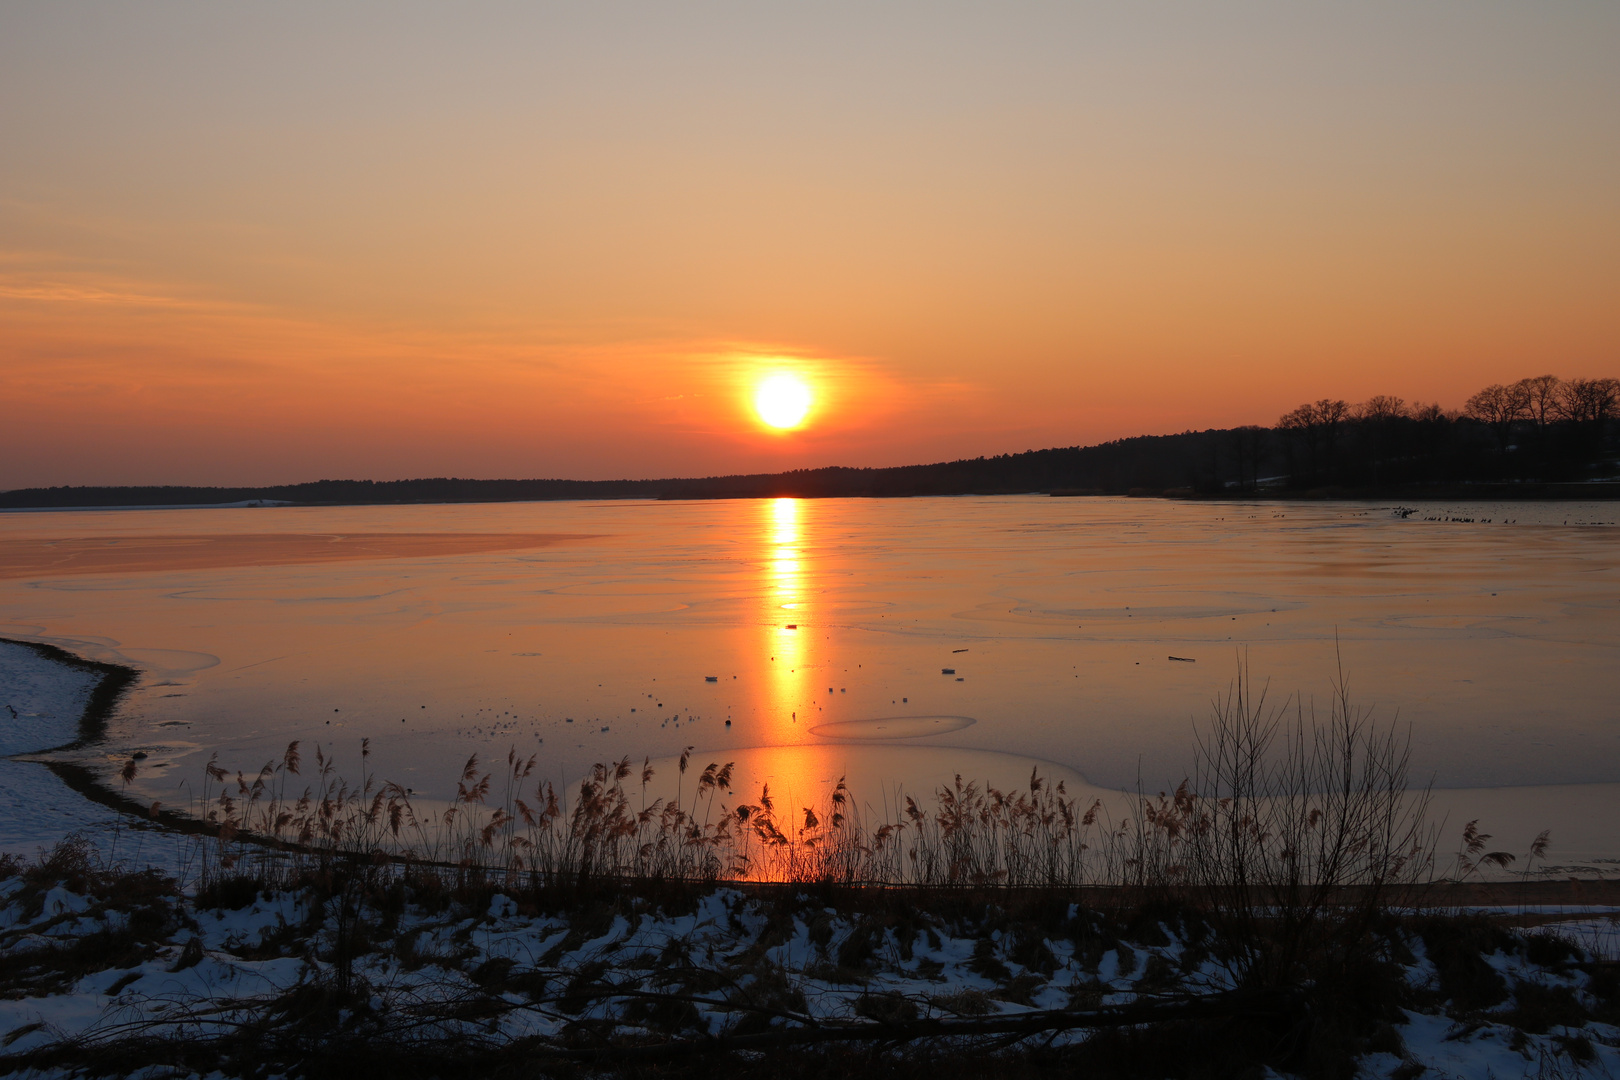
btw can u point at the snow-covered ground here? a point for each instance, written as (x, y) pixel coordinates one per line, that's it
(494, 969)
(40, 705)
(41, 702)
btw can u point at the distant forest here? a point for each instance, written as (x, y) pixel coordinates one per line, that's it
(1535, 437)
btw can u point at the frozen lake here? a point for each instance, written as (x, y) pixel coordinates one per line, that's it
(585, 632)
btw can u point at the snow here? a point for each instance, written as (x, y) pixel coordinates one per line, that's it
(1447, 1048)
(41, 702)
(238, 961)
(40, 705)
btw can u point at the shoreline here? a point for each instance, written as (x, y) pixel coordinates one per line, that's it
(1528, 492)
(115, 680)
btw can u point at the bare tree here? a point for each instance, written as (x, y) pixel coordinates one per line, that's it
(1499, 407)
(1381, 408)
(1316, 425)
(1376, 423)
(1588, 405)
(1324, 413)
(1432, 425)
(1588, 401)
(1540, 396)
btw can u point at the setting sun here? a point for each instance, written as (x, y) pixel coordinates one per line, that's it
(782, 401)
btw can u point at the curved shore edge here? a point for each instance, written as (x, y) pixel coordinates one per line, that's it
(115, 681)
(1590, 885)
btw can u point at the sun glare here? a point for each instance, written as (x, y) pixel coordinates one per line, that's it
(782, 401)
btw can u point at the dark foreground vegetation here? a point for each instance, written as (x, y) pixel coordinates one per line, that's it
(1535, 438)
(349, 970)
(1285, 908)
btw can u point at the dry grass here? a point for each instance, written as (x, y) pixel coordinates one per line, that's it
(503, 823)
(1282, 811)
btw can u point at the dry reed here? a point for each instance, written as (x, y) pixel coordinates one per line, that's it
(1283, 810)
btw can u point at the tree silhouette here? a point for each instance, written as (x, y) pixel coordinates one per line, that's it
(1588, 405)
(1498, 407)
(1380, 409)
(1314, 427)
(1540, 396)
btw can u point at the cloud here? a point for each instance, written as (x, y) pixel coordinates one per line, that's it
(30, 288)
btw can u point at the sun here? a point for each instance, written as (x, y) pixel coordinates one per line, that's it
(782, 401)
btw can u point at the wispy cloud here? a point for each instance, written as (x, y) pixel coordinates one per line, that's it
(67, 292)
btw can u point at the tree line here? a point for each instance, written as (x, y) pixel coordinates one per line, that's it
(1540, 430)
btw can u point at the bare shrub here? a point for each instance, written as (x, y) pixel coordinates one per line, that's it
(1298, 827)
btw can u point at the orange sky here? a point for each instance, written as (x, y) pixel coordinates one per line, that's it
(278, 244)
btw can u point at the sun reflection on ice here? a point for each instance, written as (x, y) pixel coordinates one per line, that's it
(786, 622)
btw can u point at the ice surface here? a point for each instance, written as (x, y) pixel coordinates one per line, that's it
(1492, 630)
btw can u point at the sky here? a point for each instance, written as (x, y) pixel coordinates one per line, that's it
(250, 244)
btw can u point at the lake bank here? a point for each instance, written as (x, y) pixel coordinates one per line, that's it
(1579, 817)
(57, 705)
